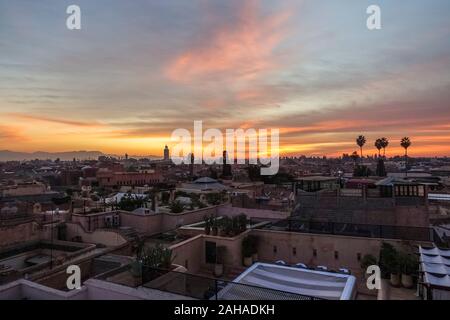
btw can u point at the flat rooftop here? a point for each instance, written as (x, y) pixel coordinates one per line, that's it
(297, 281)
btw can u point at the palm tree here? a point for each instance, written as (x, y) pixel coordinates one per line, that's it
(384, 144)
(406, 143)
(379, 145)
(361, 141)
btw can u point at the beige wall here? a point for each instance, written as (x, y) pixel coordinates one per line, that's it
(24, 190)
(233, 253)
(149, 224)
(252, 213)
(347, 249)
(58, 280)
(10, 235)
(325, 245)
(172, 221)
(193, 250)
(189, 253)
(105, 237)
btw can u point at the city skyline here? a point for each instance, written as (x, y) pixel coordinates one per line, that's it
(135, 72)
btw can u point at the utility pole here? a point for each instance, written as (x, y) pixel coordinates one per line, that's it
(51, 239)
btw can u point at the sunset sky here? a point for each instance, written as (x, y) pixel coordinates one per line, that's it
(140, 69)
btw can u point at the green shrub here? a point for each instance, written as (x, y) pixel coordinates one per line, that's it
(368, 260)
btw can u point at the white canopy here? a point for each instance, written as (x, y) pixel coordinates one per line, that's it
(436, 268)
(435, 252)
(271, 281)
(437, 281)
(435, 265)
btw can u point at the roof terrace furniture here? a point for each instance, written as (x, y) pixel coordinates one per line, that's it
(301, 266)
(280, 262)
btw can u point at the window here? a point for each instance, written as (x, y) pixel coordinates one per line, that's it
(186, 264)
(210, 252)
(336, 255)
(358, 256)
(314, 253)
(275, 249)
(294, 251)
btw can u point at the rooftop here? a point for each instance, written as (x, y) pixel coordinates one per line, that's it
(317, 284)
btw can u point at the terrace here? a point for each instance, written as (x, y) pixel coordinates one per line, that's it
(352, 229)
(200, 226)
(165, 239)
(196, 286)
(35, 256)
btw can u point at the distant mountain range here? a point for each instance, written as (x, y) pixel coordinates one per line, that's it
(7, 155)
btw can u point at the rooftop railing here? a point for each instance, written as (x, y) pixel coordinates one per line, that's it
(196, 286)
(353, 229)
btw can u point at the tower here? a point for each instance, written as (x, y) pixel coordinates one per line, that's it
(191, 165)
(226, 167)
(166, 153)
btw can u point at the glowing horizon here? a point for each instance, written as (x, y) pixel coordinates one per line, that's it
(311, 69)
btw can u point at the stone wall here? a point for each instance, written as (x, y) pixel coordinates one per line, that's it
(106, 237)
(20, 233)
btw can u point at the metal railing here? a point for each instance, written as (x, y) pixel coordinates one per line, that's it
(199, 287)
(353, 229)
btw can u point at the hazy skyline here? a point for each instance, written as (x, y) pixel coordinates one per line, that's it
(138, 70)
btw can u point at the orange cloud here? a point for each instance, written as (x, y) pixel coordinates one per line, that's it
(12, 134)
(54, 120)
(243, 50)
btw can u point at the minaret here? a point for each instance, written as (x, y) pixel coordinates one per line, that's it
(166, 153)
(226, 167)
(191, 165)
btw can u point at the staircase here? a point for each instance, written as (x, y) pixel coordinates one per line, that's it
(129, 233)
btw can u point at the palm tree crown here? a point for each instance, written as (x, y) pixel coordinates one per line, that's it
(361, 141)
(405, 143)
(384, 144)
(379, 145)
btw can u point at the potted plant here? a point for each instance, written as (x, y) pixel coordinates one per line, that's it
(235, 226)
(166, 258)
(136, 265)
(409, 265)
(242, 218)
(136, 268)
(247, 251)
(395, 271)
(229, 227)
(207, 225)
(367, 261)
(220, 259)
(390, 264)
